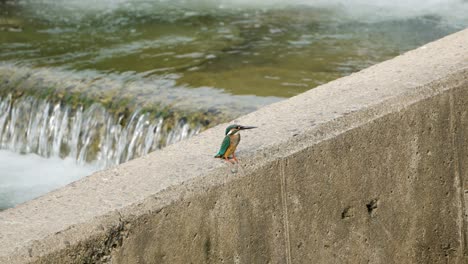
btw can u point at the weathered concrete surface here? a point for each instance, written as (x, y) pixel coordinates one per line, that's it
(366, 169)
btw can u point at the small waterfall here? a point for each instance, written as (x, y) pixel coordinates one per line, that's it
(88, 135)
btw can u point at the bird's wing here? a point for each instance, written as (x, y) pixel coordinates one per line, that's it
(224, 146)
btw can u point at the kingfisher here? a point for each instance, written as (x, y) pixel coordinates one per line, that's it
(230, 142)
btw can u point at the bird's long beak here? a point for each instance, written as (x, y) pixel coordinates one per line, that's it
(246, 127)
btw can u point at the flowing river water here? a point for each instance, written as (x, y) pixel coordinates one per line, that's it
(85, 85)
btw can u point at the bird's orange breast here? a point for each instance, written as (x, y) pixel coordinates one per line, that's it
(234, 141)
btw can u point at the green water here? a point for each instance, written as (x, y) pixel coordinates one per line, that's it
(261, 50)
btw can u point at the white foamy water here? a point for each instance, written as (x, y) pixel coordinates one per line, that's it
(44, 146)
(362, 9)
(91, 135)
(24, 177)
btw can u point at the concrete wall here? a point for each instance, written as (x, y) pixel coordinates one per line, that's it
(366, 169)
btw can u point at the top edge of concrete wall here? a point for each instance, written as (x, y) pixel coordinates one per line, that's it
(87, 207)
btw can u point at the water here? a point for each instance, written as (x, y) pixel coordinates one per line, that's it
(89, 136)
(262, 48)
(24, 177)
(47, 145)
(90, 84)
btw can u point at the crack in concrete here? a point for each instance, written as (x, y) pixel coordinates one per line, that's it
(454, 123)
(285, 210)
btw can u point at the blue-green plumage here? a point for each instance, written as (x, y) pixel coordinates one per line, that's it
(224, 147)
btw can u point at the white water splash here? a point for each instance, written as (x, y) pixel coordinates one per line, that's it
(452, 10)
(91, 135)
(24, 177)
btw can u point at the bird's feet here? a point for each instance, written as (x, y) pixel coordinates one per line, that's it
(231, 161)
(234, 157)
